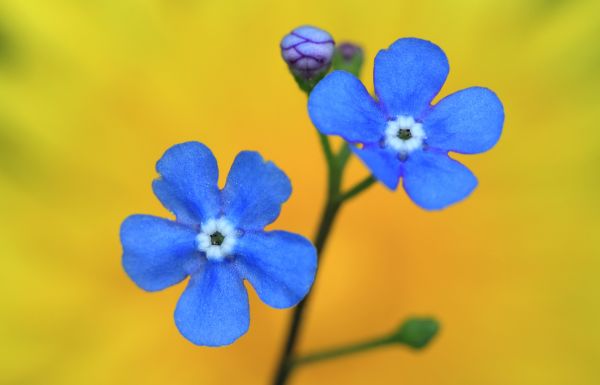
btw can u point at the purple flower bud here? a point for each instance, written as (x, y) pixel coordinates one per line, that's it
(348, 57)
(349, 51)
(308, 51)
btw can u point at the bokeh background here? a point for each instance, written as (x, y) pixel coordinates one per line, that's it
(92, 92)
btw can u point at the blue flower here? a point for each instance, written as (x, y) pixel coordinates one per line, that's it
(401, 135)
(218, 241)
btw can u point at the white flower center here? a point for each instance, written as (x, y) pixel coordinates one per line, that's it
(404, 135)
(216, 239)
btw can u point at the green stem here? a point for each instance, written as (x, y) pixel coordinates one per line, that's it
(327, 219)
(341, 351)
(344, 155)
(334, 202)
(336, 163)
(358, 188)
(329, 157)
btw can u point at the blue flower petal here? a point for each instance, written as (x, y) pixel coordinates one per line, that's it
(434, 181)
(188, 183)
(384, 164)
(408, 75)
(468, 121)
(280, 266)
(157, 253)
(254, 191)
(341, 105)
(164, 192)
(213, 309)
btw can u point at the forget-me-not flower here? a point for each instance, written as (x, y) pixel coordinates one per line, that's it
(401, 135)
(218, 240)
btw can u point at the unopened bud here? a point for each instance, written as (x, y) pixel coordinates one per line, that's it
(416, 332)
(348, 57)
(308, 52)
(349, 51)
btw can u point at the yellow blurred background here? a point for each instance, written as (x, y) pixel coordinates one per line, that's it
(92, 93)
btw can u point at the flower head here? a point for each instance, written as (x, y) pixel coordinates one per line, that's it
(218, 241)
(308, 51)
(401, 133)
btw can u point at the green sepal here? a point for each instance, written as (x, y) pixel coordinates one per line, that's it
(416, 332)
(307, 85)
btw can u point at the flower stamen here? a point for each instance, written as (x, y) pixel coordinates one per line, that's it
(216, 239)
(404, 135)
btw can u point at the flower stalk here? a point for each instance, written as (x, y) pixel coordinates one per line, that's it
(336, 164)
(341, 351)
(414, 333)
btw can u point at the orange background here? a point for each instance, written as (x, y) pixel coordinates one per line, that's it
(93, 92)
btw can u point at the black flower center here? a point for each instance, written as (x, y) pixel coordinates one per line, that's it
(216, 239)
(404, 133)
